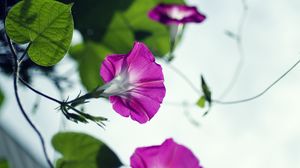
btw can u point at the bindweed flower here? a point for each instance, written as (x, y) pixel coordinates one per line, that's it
(167, 155)
(134, 83)
(175, 14)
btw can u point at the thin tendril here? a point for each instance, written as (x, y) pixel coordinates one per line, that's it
(240, 48)
(261, 93)
(184, 77)
(38, 92)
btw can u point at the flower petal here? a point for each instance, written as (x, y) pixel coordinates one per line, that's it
(111, 66)
(142, 66)
(139, 107)
(119, 106)
(167, 155)
(155, 93)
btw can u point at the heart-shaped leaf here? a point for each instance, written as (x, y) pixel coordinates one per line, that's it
(46, 24)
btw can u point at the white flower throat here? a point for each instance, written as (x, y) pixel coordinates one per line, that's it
(120, 85)
(176, 13)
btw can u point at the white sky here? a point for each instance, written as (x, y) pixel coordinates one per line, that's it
(262, 133)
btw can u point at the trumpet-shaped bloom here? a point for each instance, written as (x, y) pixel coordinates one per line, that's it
(167, 155)
(175, 14)
(134, 83)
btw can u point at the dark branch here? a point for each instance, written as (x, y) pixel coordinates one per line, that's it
(15, 76)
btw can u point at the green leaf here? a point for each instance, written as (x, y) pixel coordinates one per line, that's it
(122, 23)
(46, 24)
(206, 90)
(201, 102)
(1, 97)
(4, 163)
(81, 151)
(119, 38)
(207, 94)
(89, 57)
(92, 17)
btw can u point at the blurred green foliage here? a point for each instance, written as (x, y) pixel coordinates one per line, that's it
(116, 24)
(89, 56)
(4, 163)
(1, 97)
(113, 26)
(83, 151)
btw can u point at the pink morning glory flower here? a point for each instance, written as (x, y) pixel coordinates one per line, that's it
(177, 14)
(134, 83)
(167, 155)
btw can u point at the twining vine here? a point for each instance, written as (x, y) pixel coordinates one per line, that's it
(16, 66)
(238, 37)
(133, 81)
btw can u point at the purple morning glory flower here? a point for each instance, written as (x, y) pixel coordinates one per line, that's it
(167, 155)
(175, 14)
(134, 83)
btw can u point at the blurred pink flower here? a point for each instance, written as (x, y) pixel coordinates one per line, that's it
(175, 14)
(167, 155)
(134, 83)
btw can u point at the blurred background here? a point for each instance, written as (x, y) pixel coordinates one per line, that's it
(261, 133)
